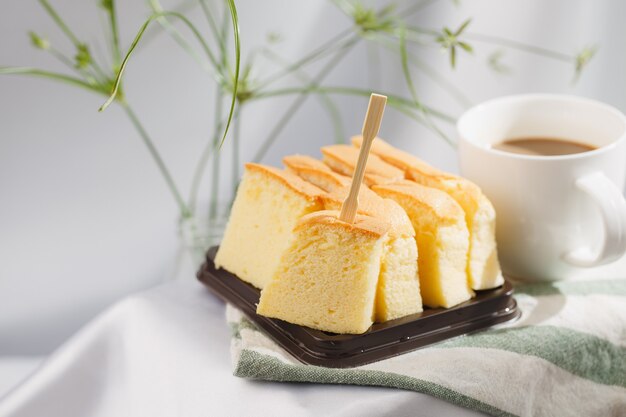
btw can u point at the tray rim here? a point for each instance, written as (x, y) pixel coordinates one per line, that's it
(325, 349)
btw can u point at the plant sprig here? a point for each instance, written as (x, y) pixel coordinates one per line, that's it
(450, 41)
(386, 25)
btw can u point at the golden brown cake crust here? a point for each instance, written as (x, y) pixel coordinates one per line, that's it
(304, 161)
(441, 204)
(348, 156)
(415, 169)
(294, 182)
(309, 167)
(371, 204)
(365, 225)
(401, 159)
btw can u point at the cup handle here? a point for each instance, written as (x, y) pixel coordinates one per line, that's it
(612, 205)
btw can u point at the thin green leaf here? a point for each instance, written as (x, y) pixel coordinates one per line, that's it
(138, 37)
(495, 62)
(452, 57)
(39, 42)
(51, 75)
(462, 27)
(466, 47)
(156, 156)
(83, 57)
(582, 60)
(235, 22)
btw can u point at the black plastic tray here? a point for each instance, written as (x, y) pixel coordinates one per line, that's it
(382, 340)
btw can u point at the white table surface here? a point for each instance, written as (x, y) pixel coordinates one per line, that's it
(165, 352)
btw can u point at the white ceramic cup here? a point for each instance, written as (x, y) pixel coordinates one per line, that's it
(556, 215)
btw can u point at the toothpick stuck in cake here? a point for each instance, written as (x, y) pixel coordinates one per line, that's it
(371, 126)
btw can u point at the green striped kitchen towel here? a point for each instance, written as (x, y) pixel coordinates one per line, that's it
(565, 356)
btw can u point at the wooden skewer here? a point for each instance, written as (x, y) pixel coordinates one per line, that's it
(371, 126)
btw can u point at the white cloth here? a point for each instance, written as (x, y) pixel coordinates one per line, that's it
(166, 353)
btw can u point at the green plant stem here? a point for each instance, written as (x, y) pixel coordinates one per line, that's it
(326, 101)
(373, 67)
(115, 35)
(60, 22)
(236, 144)
(282, 122)
(184, 210)
(68, 32)
(409, 81)
(208, 150)
(327, 48)
(416, 7)
(401, 104)
(446, 85)
(210, 19)
(98, 71)
(215, 180)
(182, 42)
(508, 43)
(392, 100)
(235, 23)
(138, 37)
(345, 6)
(201, 165)
(91, 79)
(431, 73)
(182, 7)
(206, 153)
(223, 43)
(53, 76)
(537, 50)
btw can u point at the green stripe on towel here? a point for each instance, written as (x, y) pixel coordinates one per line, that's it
(609, 287)
(579, 353)
(253, 364)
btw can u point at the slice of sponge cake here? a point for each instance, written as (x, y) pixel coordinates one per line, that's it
(398, 293)
(328, 276)
(398, 285)
(483, 268)
(268, 205)
(343, 159)
(442, 241)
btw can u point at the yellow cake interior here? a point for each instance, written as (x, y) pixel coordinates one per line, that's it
(398, 292)
(268, 205)
(328, 277)
(483, 268)
(442, 241)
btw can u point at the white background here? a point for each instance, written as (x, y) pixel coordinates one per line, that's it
(84, 216)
